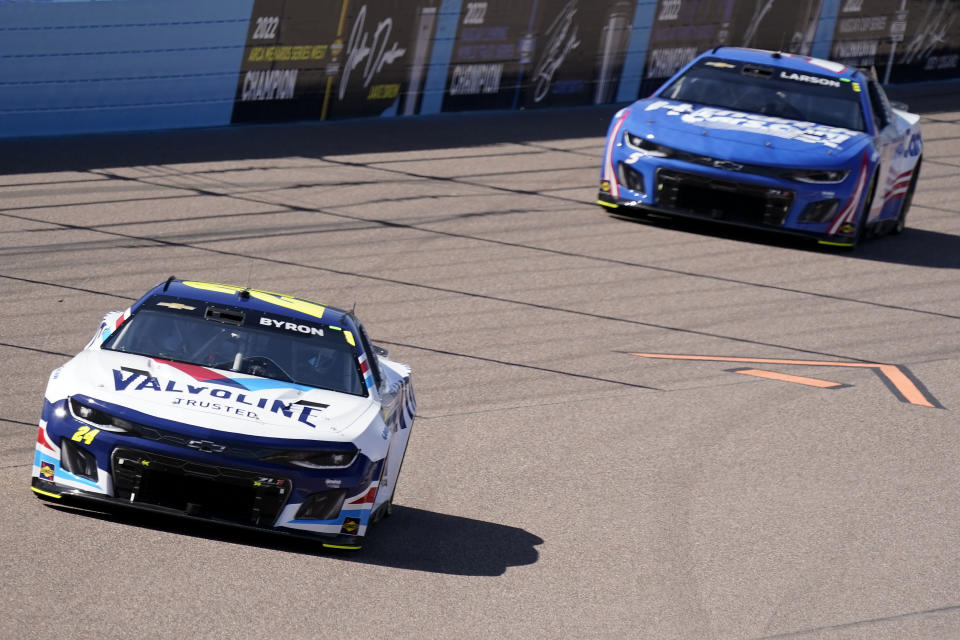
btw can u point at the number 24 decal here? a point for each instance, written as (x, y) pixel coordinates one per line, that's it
(85, 434)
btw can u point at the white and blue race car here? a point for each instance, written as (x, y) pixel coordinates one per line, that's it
(767, 140)
(233, 405)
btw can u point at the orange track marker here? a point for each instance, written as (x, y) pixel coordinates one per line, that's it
(897, 378)
(783, 377)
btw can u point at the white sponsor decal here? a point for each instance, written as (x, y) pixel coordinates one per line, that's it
(669, 10)
(862, 25)
(277, 84)
(856, 52)
(561, 40)
(266, 28)
(475, 13)
(666, 62)
(377, 50)
(474, 79)
(290, 326)
(800, 77)
(725, 119)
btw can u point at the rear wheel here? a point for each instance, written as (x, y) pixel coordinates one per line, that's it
(901, 222)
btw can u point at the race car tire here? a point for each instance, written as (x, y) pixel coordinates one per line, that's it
(385, 510)
(863, 232)
(901, 222)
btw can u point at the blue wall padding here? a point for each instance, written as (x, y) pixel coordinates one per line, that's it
(112, 66)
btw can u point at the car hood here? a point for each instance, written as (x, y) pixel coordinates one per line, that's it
(213, 398)
(747, 138)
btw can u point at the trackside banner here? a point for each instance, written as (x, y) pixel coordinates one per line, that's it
(682, 29)
(325, 59)
(320, 59)
(904, 41)
(211, 63)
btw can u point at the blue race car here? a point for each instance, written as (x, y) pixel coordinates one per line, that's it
(232, 405)
(767, 140)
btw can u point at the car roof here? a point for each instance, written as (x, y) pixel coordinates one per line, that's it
(254, 299)
(791, 61)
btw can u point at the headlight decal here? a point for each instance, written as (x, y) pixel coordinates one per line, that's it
(647, 147)
(609, 172)
(817, 176)
(86, 412)
(316, 459)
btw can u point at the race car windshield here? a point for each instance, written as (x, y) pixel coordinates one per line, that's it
(243, 341)
(770, 91)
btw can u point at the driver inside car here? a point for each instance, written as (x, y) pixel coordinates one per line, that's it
(323, 364)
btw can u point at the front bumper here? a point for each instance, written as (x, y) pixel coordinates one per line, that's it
(51, 491)
(745, 200)
(206, 475)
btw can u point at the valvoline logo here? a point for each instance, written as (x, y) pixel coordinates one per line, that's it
(202, 396)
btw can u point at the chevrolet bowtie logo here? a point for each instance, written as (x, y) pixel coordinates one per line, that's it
(206, 446)
(176, 305)
(727, 165)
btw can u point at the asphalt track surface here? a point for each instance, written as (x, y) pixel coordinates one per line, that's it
(556, 486)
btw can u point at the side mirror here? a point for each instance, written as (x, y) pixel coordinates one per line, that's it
(900, 106)
(380, 351)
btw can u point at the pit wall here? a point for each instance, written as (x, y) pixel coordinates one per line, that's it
(82, 66)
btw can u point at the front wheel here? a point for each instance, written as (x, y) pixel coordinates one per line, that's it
(863, 231)
(901, 222)
(385, 510)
